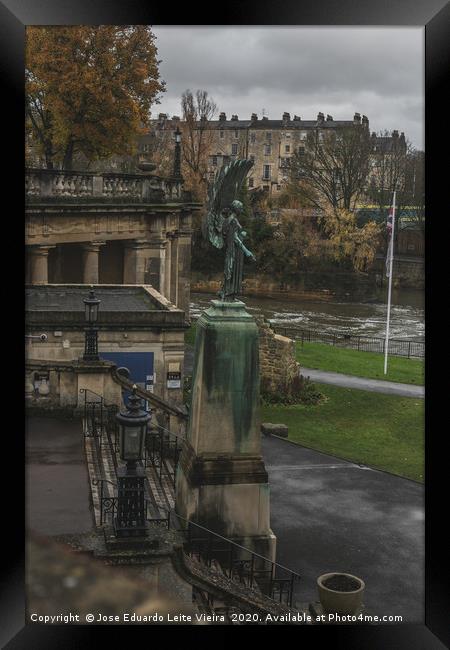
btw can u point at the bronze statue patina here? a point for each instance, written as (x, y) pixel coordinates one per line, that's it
(222, 228)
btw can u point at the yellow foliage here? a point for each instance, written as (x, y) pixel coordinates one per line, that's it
(89, 88)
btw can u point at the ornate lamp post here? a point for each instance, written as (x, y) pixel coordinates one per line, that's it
(131, 515)
(177, 158)
(91, 333)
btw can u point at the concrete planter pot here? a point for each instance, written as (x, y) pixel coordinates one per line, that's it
(340, 593)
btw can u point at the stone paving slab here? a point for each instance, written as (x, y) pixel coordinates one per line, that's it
(332, 515)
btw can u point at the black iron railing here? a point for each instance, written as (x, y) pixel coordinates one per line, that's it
(94, 417)
(237, 562)
(108, 506)
(397, 347)
(162, 452)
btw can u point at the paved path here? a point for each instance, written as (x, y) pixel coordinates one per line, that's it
(375, 385)
(332, 515)
(338, 379)
(57, 487)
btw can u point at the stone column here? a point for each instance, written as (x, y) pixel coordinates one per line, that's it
(222, 482)
(90, 262)
(39, 264)
(136, 254)
(155, 264)
(184, 263)
(174, 269)
(168, 268)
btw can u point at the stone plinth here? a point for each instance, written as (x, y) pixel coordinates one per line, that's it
(222, 482)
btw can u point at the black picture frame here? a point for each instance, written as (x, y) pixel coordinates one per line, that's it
(434, 15)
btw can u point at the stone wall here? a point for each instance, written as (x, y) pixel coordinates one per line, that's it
(277, 365)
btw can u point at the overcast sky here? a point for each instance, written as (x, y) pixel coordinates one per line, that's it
(375, 71)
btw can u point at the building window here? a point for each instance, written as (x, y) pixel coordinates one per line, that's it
(268, 135)
(267, 149)
(145, 147)
(250, 182)
(301, 151)
(287, 148)
(221, 133)
(320, 136)
(303, 135)
(278, 187)
(253, 138)
(287, 135)
(236, 133)
(266, 172)
(214, 161)
(234, 149)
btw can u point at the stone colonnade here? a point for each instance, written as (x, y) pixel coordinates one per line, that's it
(162, 259)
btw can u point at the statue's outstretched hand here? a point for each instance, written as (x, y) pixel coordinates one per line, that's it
(252, 257)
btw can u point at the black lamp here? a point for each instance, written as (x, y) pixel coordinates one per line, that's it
(177, 158)
(91, 305)
(131, 505)
(132, 429)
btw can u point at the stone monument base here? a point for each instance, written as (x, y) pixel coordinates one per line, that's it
(222, 483)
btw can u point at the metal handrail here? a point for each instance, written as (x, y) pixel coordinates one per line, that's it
(275, 584)
(397, 347)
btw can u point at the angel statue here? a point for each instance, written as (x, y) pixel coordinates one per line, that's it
(221, 226)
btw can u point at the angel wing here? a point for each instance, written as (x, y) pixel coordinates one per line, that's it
(225, 188)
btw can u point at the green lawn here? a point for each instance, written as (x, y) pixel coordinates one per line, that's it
(381, 431)
(320, 356)
(189, 335)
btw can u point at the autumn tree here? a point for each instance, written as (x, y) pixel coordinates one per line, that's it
(89, 89)
(198, 109)
(332, 168)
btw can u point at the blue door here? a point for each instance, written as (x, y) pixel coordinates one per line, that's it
(140, 365)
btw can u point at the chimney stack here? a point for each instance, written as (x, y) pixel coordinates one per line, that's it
(395, 134)
(254, 117)
(297, 118)
(286, 117)
(329, 118)
(234, 118)
(357, 118)
(222, 117)
(320, 117)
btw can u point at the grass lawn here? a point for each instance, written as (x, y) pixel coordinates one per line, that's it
(189, 335)
(320, 356)
(381, 431)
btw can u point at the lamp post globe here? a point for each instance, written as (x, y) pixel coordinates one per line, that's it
(132, 429)
(91, 306)
(177, 158)
(131, 504)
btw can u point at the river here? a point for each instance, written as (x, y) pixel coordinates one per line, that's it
(357, 318)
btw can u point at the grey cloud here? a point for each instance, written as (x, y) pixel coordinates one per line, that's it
(377, 71)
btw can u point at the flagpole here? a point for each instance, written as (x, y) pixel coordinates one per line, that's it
(391, 268)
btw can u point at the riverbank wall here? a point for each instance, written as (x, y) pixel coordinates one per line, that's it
(308, 286)
(409, 273)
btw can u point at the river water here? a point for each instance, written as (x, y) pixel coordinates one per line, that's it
(356, 318)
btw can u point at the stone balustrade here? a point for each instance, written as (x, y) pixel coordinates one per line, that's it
(47, 184)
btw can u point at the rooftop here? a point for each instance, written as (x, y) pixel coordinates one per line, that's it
(70, 298)
(121, 305)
